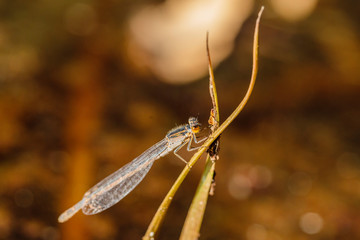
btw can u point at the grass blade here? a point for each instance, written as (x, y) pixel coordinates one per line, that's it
(162, 210)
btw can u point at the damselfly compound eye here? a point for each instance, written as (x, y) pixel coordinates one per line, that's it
(193, 122)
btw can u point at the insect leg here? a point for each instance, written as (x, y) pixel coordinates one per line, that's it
(178, 148)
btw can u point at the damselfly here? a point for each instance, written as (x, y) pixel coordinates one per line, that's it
(116, 186)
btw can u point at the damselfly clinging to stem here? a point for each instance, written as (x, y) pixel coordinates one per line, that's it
(116, 186)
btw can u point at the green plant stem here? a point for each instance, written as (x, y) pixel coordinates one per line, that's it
(212, 90)
(160, 213)
(191, 228)
(197, 208)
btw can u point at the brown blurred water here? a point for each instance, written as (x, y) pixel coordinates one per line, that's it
(81, 95)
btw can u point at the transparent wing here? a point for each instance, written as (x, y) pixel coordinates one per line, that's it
(116, 186)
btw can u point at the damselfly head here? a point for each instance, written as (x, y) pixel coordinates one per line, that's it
(194, 125)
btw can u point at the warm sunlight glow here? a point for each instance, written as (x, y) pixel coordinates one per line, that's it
(294, 10)
(171, 37)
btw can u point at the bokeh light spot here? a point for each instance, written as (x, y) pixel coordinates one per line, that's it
(294, 10)
(311, 223)
(239, 186)
(170, 38)
(260, 176)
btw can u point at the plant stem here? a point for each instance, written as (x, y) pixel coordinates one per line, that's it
(161, 212)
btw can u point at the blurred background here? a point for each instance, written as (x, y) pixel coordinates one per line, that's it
(86, 86)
